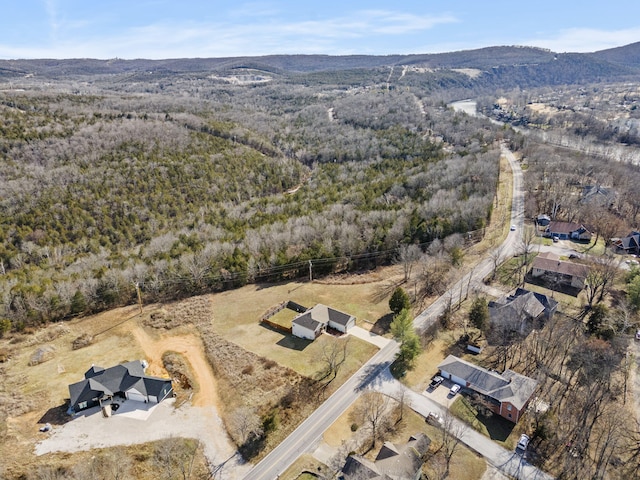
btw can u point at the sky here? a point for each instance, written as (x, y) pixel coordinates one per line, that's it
(158, 29)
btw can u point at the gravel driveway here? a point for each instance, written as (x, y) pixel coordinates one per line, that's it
(131, 425)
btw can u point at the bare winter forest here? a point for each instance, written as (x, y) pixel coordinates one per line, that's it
(177, 178)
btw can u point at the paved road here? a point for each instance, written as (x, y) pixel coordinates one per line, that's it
(507, 462)
(508, 248)
(375, 373)
(310, 431)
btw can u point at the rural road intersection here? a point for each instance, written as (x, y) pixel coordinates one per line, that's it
(375, 375)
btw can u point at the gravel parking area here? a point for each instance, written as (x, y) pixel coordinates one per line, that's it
(441, 394)
(136, 423)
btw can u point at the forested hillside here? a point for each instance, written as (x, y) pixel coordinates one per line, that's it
(187, 184)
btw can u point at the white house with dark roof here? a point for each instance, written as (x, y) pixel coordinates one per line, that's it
(127, 380)
(508, 393)
(316, 320)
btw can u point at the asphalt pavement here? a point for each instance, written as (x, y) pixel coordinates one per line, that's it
(375, 374)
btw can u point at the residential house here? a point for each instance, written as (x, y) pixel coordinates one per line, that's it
(127, 381)
(629, 244)
(316, 320)
(568, 231)
(394, 462)
(507, 394)
(522, 311)
(598, 195)
(559, 272)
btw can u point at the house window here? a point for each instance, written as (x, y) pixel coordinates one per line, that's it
(509, 415)
(82, 405)
(509, 408)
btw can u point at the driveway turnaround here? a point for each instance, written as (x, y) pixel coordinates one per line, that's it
(130, 426)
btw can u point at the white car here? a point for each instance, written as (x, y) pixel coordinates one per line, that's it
(513, 228)
(454, 390)
(523, 443)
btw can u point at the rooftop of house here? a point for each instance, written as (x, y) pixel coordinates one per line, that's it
(321, 314)
(564, 227)
(551, 262)
(522, 302)
(394, 461)
(508, 387)
(99, 381)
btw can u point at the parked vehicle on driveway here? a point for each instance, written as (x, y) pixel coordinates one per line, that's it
(435, 382)
(523, 443)
(454, 390)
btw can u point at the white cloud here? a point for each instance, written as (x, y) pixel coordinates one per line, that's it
(587, 39)
(338, 35)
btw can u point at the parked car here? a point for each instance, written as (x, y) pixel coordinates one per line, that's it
(555, 239)
(454, 390)
(523, 443)
(513, 228)
(638, 334)
(434, 419)
(435, 382)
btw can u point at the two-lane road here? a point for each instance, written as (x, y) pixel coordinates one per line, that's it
(310, 431)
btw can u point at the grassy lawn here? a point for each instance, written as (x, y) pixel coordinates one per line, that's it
(305, 463)
(496, 428)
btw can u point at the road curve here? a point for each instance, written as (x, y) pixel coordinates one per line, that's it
(310, 431)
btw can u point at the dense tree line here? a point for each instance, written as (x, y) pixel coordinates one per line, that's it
(222, 185)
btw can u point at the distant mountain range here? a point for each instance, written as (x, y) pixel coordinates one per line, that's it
(533, 66)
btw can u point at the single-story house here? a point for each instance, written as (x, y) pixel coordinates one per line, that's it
(394, 461)
(522, 311)
(126, 380)
(508, 393)
(629, 244)
(559, 272)
(568, 230)
(599, 195)
(316, 320)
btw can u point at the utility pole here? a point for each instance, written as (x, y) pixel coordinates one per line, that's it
(310, 271)
(137, 284)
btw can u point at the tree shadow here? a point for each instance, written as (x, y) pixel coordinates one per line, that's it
(56, 415)
(382, 325)
(384, 291)
(294, 343)
(499, 428)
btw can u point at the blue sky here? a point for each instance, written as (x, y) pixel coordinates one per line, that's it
(220, 28)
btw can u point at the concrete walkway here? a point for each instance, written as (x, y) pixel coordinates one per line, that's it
(367, 336)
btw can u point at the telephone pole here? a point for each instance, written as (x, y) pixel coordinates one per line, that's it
(310, 271)
(137, 284)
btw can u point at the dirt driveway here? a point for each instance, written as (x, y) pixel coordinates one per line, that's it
(192, 349)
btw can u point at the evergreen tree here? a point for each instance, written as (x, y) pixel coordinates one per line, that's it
(78, 303)
(479, 314)
(399, 301)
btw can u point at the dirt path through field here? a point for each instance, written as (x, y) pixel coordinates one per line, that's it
(191, 347)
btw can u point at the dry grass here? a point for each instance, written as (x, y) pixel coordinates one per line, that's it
(465, 465)
(305, 463)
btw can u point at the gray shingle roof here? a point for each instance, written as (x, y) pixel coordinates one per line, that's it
(550, 262)
(321, 314)
(100, 382)
(506, 387)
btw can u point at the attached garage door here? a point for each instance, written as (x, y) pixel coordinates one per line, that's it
(133, 395)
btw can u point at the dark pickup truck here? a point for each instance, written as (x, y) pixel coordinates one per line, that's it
(435, 381)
